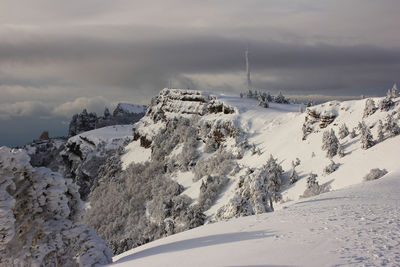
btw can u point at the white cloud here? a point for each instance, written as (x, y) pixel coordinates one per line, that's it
(94, 104)
(25, 108)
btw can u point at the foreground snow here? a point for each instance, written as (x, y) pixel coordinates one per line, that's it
(359, 225)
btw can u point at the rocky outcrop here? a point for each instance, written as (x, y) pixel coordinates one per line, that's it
(320, 116)
(82, 122)
(171, 102)
(123, 114)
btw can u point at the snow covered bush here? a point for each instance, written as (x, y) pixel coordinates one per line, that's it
(331, 168)
(210, 189)
(369, 108)
(375, 174)
(313, 188)
(40, 218)
(330, 143)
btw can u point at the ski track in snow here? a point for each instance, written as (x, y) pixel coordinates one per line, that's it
(357, 226)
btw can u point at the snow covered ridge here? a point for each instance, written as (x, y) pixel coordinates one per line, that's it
(40, 218)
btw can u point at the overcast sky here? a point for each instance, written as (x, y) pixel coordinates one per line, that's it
(57, 56)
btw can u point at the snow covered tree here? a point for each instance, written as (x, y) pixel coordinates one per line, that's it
(391, 126)
(395, 91)
(380, 131)
(281, 99)
(343, 131)
(293, 177)
(330, 143)
(366, 136)
(340, 151)
(263, 102)
(353, 133)
(249, 94)
(369, 108)
(387, 103)
(274, 177)
(40, 218)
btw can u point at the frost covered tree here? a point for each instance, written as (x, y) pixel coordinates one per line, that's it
(391, 126)
(395, 91)
(293, 177)
(343, 131)
(40, 218)
(380, 131)
(340, 151)
(387, 103)
(369, 108)
(366, 136)
(330, 143)
(263, 102)
(353, 133)
(274, 177)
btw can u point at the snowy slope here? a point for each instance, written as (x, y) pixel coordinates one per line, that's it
(277, 131)
(357, 226)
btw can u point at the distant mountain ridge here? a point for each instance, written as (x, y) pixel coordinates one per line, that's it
(124, 113)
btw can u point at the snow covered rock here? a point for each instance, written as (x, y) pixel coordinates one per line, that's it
(40, 218)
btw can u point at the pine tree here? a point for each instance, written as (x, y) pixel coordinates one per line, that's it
(294, 177)
(343, 131)
(395, 92)
(353, 133)
(366, 137)
(391, 126)
(340, 151)
(386, 103)
(330, 143)
(274, 177)
(380, 131)
(369, 108)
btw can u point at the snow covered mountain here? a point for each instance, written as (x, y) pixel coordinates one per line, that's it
(201, 158)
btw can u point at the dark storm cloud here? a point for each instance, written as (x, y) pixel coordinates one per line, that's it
(140, 63)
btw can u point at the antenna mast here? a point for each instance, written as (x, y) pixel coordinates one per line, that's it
(248, 69)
